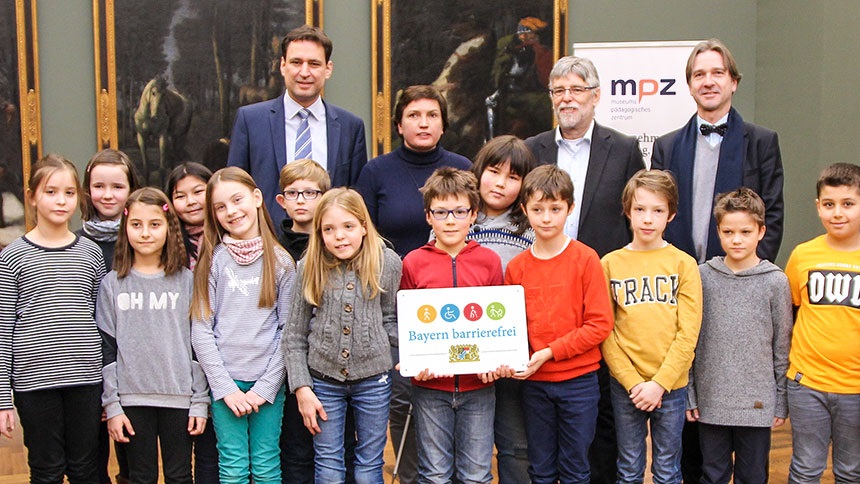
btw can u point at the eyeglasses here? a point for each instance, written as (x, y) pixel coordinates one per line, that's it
(458, 213)
(306, 194)
(576, 91)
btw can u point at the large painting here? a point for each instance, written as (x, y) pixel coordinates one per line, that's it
(20, 132)
(489, 58)
(170, 74)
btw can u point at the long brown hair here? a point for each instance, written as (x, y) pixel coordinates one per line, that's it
(213, 232)
(319, 262)
(173, 255)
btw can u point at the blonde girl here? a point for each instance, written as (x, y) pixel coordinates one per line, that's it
(348, 280)
(242, 293)
(50, 349)
(153, 391)
(109, 179)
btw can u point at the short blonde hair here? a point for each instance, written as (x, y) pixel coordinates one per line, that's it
(304, 170)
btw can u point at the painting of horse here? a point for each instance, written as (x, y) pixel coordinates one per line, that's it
(163, 116)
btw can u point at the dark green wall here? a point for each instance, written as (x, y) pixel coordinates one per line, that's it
(796, 57)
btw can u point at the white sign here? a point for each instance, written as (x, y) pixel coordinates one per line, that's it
(456, 331)
(643, 87)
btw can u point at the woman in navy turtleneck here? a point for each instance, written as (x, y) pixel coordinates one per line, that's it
(390, 183)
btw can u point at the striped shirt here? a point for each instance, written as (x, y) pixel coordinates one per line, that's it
(241, 341)
(48, 336)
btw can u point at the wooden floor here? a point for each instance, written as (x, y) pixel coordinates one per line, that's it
(13, 461)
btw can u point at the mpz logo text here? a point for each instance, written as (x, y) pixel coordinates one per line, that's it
(645, 87)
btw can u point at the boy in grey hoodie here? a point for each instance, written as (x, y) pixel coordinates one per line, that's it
(737, 386)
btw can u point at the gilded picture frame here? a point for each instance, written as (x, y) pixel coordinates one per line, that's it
(467, 48)
(170, 74)
(20, 113)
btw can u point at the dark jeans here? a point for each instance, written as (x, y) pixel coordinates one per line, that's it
(603, 453)
(297, 446)
(512, 448)
(739, 452)
(206, 456)
(691, 454)
(61, 432)
(561, 420)
(153, 426)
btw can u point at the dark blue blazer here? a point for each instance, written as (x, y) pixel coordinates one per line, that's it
(258, 146)
(762, 172)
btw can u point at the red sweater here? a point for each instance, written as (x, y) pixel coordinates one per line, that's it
(428, 267)
(567, 308)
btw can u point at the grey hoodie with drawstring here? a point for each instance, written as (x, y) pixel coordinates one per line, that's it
(738, 376)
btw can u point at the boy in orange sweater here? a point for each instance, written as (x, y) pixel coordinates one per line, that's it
(568, 315)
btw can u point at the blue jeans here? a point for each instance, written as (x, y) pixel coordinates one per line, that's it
(455, 432)
(248, 445)
(510, 429)
(369, 400)
(667, 424)
(817, 418)
(562, 420)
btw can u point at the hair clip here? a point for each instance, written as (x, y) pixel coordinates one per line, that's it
(125, 211)
(165, 207)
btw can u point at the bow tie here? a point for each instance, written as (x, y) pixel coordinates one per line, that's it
(707, 129)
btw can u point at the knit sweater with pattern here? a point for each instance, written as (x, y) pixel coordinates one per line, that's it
(351, 333)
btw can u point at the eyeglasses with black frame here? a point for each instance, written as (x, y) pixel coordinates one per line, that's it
(442, 213)
(577, 91)
(306, 194)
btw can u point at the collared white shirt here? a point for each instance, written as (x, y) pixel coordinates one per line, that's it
(573, 157)
(316, 121)
(713, 139)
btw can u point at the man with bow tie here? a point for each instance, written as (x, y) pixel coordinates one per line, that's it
(716, 152)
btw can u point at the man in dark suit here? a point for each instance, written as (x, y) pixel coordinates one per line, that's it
(600, 160)
(715, 152)
(265, 134)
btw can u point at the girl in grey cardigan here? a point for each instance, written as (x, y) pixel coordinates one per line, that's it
(341, 325)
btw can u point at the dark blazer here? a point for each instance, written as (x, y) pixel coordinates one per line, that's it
(258, 146)
(615, 158)
(762, 172)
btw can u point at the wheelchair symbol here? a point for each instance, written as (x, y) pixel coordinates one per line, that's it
(450, 313)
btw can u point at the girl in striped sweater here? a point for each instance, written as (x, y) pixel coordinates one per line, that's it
(50, 349)
(242, 293)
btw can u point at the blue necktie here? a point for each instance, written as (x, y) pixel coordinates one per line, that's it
(303, 137)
